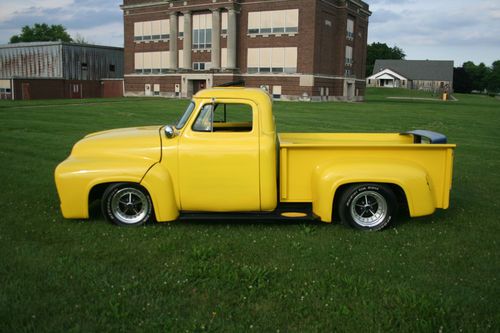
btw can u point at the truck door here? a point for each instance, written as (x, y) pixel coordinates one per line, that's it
(219, 159)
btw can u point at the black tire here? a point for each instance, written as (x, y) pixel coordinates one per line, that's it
(126, 204)
(368, 206)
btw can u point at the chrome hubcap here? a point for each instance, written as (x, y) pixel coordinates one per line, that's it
(129, 205)
(369, 209)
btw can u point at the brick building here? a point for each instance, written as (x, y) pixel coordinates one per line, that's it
(309, 49)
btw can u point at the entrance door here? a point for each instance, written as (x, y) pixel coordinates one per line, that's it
(350, 90)
(219, 160)
(147, 90)
(199, 85)
(76, 90)
(26, 91)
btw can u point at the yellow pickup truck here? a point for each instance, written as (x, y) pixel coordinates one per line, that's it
(224, 159)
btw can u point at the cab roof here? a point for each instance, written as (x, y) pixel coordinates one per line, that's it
(257, 95)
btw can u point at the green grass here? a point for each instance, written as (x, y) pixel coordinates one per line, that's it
(438, 273)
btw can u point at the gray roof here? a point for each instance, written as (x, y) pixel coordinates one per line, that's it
(431, 70)
(38, 44)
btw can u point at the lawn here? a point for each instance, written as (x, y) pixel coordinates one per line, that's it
(438, 273)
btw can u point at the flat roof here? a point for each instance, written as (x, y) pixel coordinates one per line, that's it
(48, 43)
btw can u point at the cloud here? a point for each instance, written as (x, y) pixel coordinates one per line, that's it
(384, 16)
(465, 28)
(83, 17)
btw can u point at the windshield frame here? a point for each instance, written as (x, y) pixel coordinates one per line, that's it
(185, 116)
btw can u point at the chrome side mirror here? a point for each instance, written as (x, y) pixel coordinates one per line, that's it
(170, 131)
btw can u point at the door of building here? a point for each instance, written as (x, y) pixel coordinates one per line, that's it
(26, 91)
(199, 85)
(75, 90)
(147, 90)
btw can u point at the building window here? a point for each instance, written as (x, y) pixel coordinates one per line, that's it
(151, 30)
(348, 56)
(202, 31)
(348, 72)
(180, 58)
(272, 60)
(350, 29)
(224, 23)
(277, 92)
(111, 68)
(151, 62)
(201, 66)
(273, 22)
(180, 28)
(223, 57)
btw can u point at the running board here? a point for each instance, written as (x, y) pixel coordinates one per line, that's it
(285, 212)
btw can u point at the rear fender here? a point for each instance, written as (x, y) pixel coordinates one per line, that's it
(411, 178)
(160, 187)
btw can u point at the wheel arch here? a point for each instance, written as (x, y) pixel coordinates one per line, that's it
(408, 181)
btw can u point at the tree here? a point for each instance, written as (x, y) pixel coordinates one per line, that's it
(493, 80)
(381, 51)
(79, 39)
(478, 74)
(462, 82)
(480, 77)
(41, 32)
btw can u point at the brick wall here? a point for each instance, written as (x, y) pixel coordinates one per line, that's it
(320, 43)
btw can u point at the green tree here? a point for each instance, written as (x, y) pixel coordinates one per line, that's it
(478, 75)
(462, 82)
(381, 51)
(42, 32)
(493, 80)
(79, 39)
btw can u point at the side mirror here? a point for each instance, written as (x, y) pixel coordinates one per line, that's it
(170, 131)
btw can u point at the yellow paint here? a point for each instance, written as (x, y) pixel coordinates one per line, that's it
(293, 214)
(223, 171)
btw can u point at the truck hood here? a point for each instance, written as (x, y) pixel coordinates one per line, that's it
(138, 142)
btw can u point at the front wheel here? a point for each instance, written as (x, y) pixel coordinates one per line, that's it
(368, 206)
(127, 204)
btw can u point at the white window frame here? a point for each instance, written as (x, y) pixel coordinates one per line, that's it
(348, 55)
(350, 29)
(272, 60)
(266, 22)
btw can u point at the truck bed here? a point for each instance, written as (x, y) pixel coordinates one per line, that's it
(302, 153)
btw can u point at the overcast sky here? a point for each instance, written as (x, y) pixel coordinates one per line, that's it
(458, 30)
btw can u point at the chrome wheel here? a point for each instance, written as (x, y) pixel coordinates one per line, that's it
(368, 209)
(367, 206)
(127, 204)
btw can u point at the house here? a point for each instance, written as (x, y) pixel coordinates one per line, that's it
(312, 49)
(430, 75)
(42, 70)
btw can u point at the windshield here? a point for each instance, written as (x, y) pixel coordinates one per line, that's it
(185, 116)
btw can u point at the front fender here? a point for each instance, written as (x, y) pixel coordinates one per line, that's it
(411, 178)
(161, 189)
(75, 177)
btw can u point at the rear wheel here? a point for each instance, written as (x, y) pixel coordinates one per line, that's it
(368, 206)
(127, 204)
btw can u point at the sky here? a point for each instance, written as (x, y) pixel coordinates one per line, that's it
(458, 30)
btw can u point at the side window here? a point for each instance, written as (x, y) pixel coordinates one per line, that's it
(225, 118)
(204, 122)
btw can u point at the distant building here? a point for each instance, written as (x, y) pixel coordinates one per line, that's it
(42, 70)
(429, 75)
(311, 49)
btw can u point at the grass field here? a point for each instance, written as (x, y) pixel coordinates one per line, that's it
(438, 273)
